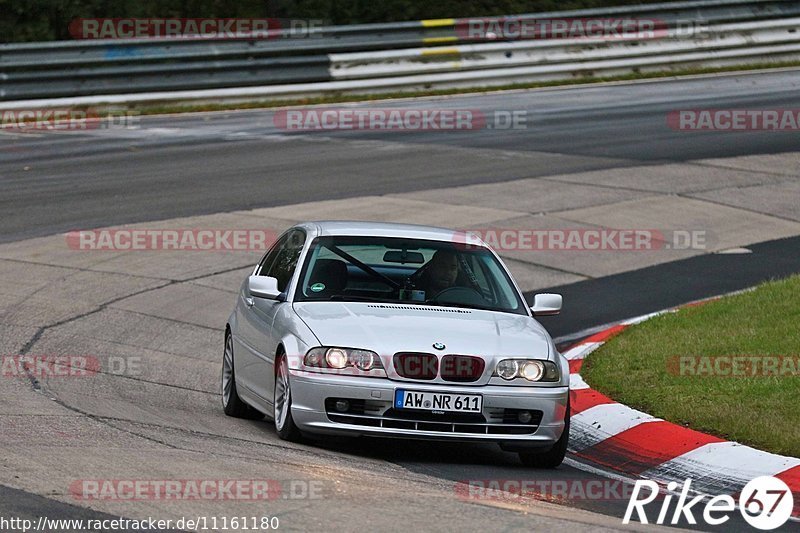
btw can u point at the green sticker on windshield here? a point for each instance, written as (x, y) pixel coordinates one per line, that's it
(317, 287)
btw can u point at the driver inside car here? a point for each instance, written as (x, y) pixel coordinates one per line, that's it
(440, 273)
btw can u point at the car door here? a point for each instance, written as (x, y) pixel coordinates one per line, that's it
(249, 343)
(259, 314)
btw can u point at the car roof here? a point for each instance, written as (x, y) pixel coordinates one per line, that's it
(381, 229)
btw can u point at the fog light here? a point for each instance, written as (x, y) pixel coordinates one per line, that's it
(524, 417)
(342, 405)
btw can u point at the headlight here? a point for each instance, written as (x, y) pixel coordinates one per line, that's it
(336, 358)
(507, 369)
(530, 369)
(364, 360)
(342, 358)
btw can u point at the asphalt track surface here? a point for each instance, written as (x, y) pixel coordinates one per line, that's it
(204, 164)
(190, 165)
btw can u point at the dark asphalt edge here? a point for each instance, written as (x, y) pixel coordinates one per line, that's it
(594, 302)
(22, 505)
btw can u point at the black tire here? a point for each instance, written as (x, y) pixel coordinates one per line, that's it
(282, 413)
(553, 457)
(232, 405)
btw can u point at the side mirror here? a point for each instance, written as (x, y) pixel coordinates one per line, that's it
(546, 304)
(263, 287)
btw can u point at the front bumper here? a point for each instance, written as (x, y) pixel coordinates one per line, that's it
(310, 392)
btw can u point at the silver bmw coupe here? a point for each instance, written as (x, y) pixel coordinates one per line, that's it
(394, 330)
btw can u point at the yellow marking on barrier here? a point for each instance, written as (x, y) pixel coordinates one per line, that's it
(433, 40)
(452, 51)
(434, 23)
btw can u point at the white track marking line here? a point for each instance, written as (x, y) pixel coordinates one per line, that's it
(581, 350)
(604, 421)
(730, 463)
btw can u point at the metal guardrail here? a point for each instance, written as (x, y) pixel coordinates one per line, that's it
(744, 36)
(375, 57)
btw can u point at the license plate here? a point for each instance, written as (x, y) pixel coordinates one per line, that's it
(438, 401)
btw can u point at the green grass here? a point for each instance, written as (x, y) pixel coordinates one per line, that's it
(762, 411)
(152, 108)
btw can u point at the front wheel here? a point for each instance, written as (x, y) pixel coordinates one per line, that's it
(282, 400)
(555, 455)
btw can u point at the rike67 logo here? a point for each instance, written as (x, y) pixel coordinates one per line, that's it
(766, 503)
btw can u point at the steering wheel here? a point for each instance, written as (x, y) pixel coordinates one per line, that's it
(460, 295)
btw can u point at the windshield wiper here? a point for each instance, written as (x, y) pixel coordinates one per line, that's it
(464, 306)
(345, 298)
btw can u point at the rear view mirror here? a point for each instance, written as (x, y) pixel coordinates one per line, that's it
(404, 257)
(263, 287)
(546, 304)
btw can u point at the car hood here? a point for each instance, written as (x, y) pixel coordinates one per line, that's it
(390, 328)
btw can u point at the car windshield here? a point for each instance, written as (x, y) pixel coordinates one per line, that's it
(394, 270)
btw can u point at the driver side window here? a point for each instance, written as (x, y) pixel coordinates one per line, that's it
(285, 262)
(269, 258)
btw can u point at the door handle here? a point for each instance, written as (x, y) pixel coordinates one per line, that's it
(249, 302)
